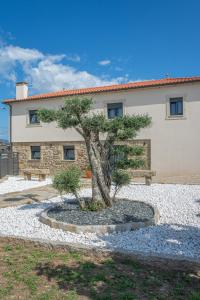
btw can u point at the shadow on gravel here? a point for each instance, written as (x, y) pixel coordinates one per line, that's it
(43, 205)
(198, 201)
(175, 239)
(22, 197)
(34, 206)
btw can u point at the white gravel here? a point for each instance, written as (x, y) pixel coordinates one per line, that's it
(177, 234)
(17, 184)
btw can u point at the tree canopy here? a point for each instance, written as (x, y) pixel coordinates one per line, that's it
(100, 135)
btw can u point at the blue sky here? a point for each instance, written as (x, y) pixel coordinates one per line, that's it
(71, 44)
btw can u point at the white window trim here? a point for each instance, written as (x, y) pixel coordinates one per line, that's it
(63, 153)
(176, 117)
(28, 124)
(110, 101)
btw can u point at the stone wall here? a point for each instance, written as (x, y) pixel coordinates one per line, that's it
(52, 155)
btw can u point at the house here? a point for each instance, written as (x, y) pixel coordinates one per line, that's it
(172, 143)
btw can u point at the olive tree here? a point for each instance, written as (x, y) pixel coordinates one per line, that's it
(100, 135)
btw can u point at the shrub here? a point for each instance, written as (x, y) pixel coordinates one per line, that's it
(120, 178)
(68, 181)
(94, 206)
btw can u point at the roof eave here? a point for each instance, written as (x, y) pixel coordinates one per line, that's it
(117, 89)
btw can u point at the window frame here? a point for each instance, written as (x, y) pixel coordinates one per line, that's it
(169, 98)
(31, 148)
(29, 115)
(70, 147)
(114, 103)
(175, 102)
(28, 124)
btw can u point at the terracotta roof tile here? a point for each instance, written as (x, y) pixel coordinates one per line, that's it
(111, 88)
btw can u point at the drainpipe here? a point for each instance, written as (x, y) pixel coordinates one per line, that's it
(10, 125)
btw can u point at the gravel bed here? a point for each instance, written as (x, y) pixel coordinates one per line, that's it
(122, 211)
(17, 184)
(177, 234)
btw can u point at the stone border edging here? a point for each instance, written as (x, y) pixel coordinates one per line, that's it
(99, 229)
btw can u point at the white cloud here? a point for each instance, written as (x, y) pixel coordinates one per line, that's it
(73, 57)
(47, 72)
(50, 76)
(14, 53)
(104, 62)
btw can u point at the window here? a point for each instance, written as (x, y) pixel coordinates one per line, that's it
(35, 152)
(33, 118)
(69, 153)
(176, 106)
(115, 110)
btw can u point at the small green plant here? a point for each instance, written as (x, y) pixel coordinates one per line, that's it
(94, 206)
(8, 248)
(120, 178)
(195, 296)
(68, 181)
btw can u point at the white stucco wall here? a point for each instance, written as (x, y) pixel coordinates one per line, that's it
(175, 143)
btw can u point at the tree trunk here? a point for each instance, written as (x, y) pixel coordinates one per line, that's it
(96, 194)
(100, 190)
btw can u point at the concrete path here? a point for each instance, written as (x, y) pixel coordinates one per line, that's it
(28, 196)
(33, 195)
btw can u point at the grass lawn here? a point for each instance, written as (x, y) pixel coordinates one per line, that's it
(37, 273)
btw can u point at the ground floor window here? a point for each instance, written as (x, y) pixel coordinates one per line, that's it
(35, 152)
(69, 152)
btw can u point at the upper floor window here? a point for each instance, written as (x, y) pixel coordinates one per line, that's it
(176, 106)
(69, 153)
(35, 152)
(33, 117)
(114, 110)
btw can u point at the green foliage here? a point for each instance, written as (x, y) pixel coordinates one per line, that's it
(128, 150)
(8, 248)
(75, 113)
(95, 123)
(94, 206)
(120, 178)
(130, 163)
(195, 296)
(47, 115)
(68, 181)
(127, 127)
(77, 106)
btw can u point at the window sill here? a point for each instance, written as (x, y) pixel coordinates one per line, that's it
(68, 160)
(33, 125)
(175, 118)
(34, 160)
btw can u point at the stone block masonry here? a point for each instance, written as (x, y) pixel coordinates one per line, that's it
(52, 156)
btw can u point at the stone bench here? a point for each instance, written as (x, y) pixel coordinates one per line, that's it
(41, 173)
(148, 174)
